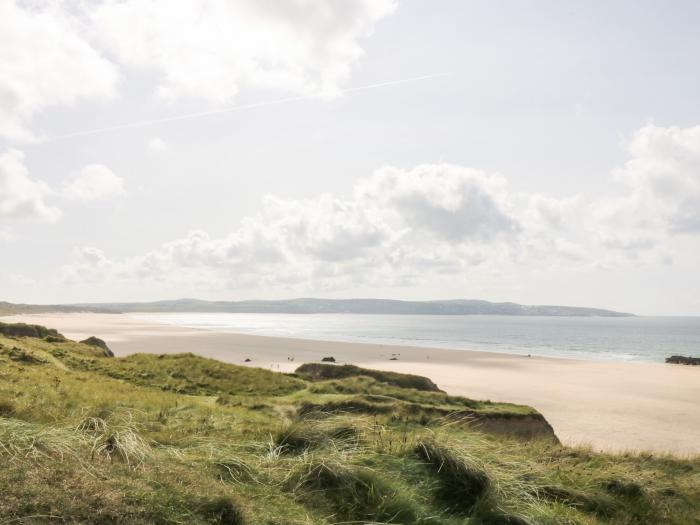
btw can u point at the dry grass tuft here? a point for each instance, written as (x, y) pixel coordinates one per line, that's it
(337, 432)
(20, 441)
(116, 439)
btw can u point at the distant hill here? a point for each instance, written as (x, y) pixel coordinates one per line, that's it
(15, 309)
(355, 306)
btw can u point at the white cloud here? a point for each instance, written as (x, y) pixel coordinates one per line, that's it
(452, 202)
(550, 213)
(45, 62)
(664, 170)
(21, 197)
(437, 222)
(210, 49)
(661, 190)
(398, 227)
(62, 52)
(24, 198)
(93, 182)
(157, 145)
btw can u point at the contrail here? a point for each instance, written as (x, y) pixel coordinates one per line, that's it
(230, 109)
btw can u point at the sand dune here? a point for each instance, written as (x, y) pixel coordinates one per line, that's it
(610, 406)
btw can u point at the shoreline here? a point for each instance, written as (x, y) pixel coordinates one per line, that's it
(145, 317)
(611, 406)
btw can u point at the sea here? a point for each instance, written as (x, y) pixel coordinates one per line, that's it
(649, 339)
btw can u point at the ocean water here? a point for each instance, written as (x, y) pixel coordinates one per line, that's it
(649, 339)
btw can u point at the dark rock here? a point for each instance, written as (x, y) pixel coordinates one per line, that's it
(96, 341)
(683, 360)
(394, 359)
(247, 360)
(329, 359)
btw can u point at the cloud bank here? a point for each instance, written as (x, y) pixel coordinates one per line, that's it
(397, 228)
(402, 227)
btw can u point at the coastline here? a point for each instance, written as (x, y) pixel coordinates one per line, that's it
(610, 406)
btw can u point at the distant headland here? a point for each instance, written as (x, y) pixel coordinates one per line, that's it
(317, 306)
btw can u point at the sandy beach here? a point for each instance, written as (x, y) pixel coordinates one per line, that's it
(609, 406)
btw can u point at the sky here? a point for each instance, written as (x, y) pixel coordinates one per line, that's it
(540, 152)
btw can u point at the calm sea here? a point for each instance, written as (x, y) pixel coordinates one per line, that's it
(597, 338)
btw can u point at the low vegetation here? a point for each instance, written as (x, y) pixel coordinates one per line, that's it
(16, 309)
(316, 371)
(28, 330)
(175, 439)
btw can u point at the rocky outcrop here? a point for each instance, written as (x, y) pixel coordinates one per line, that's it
(683, 360)
(96, 341)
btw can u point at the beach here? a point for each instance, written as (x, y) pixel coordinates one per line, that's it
(610, 406)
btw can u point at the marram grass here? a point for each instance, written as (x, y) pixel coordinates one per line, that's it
(182, 439)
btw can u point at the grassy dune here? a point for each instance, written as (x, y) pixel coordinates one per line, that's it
(184, 439)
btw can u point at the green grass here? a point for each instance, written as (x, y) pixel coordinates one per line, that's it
(188, 374)
(319, 371)
(181, 439)
(27, 330)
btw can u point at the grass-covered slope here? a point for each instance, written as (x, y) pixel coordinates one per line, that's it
(28, 330)
(320, 371)
(86, 438)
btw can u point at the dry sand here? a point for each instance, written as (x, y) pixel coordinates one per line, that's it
(610, 406)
